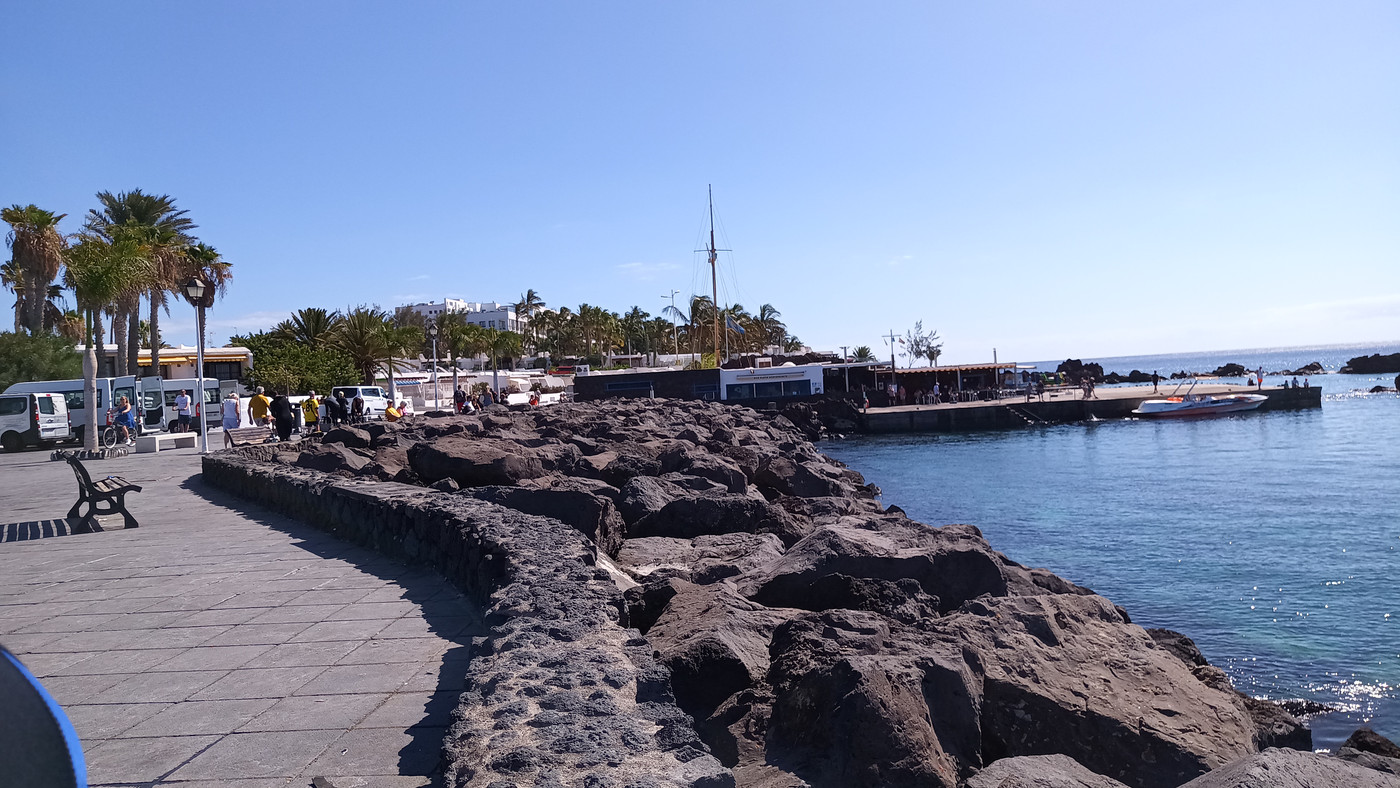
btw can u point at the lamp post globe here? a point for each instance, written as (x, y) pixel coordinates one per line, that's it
(194, 290)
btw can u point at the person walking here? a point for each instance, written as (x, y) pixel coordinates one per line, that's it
(1155, 380)
(459, 398)
(233, 417)
(283, 419)
(309, 413)
(258, 406)
(182, 410)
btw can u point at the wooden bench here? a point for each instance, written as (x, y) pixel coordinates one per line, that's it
(246, 436)
(102, 497)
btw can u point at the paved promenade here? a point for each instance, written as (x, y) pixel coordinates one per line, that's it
(222, 644)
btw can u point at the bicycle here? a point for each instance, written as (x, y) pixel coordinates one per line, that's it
(110, 435)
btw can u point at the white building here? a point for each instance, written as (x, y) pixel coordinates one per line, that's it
(487, 314)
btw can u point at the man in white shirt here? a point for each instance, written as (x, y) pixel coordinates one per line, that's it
(182, 409)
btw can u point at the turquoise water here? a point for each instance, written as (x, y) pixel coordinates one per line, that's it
(1272, 539)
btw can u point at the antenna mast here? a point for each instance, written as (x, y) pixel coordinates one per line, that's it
(714, 277)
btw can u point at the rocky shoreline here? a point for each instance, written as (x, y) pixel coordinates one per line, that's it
(688, 593)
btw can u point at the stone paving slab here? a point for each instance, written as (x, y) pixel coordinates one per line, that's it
(222, 644)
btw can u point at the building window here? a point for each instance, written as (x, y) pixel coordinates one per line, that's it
(797, 388)
(223, 370)
(629, 385)
(708, 391)
(739, 391)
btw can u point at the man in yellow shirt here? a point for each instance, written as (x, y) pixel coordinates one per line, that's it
(309, 408)
(258, 406)
(392, 413)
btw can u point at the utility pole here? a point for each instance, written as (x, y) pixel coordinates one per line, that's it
(846, 360)
(714, 275)
(892, 337)
(675, 335)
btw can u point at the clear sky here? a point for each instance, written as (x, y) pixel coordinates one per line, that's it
(1051, 179)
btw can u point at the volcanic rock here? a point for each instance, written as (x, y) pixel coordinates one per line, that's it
(1040, 771)
(332, 457)
(352, 437)
(1282, 768)
(472, 463)
(574, 503)
(719, 514)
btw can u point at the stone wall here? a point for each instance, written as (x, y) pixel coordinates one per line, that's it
(561, 692)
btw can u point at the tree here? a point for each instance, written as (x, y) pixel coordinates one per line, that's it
(101, 271)
(12, 279)
(312, 326)
(920, 344)
(288, 366)
(165, 231)
(25, 357)
(366, 336)
(203, 262)
(863, 354)
(771, 325)
(36, 249)
(528, 306)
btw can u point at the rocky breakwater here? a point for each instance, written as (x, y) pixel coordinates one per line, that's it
(812, 636)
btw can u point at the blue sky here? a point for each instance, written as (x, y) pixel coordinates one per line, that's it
(1049, 179)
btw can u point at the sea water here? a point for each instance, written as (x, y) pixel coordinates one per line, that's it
(1271, 538)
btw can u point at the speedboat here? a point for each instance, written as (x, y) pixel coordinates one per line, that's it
(1190, 405)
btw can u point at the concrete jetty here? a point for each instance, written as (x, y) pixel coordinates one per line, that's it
(1058, 407)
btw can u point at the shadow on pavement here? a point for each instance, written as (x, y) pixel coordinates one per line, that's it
(446, 611)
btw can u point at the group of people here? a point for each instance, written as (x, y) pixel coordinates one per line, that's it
(462, 402)
(279, 412)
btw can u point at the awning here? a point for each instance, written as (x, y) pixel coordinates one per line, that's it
(960, 368)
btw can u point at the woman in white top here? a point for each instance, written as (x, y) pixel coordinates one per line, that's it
(232, 417)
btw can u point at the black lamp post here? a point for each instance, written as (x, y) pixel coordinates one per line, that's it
(194, 293)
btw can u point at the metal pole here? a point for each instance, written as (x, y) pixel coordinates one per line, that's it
(846, 359)
(199, 361)
(436, 406)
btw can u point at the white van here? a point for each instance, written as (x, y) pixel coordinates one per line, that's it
(158, 400)
(375, 398)
(39, 419)
(108, 390)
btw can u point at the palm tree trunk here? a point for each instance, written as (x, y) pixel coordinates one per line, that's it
(90, 379)
(34, 303)
(133, 340)
(99, 347)
(156, 298)
(119, 334)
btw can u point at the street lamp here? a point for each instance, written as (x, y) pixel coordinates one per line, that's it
(433, 333)
(194, 293)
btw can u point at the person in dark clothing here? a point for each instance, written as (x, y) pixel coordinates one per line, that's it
(282, 417)
(459, 398)
(342, 408)
(357, 410)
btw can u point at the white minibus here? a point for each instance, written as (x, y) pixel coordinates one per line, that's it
(108, 390)
(38, 419)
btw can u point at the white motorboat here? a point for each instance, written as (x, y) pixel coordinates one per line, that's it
(1191, 405)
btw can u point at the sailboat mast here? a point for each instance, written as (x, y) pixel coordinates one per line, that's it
(714, 278)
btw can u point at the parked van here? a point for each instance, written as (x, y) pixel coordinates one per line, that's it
(158, 400)
(33, 420)
(375, 398)
(108, 390)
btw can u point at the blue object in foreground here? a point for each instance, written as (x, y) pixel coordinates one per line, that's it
(38, 746)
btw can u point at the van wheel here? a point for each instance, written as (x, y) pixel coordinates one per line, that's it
(12, 441)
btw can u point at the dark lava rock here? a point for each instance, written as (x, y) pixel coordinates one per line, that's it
(472, 463)
(1372, 364)
(951, 564)
(331, 458)
(644, 495)
(1040, 771)
(353, 437)
(705, 559)
(594, 515)
(1274, 725)
(715, 642)
(786, 477)
(719, 514)
(1282, 768)
(1364, 739)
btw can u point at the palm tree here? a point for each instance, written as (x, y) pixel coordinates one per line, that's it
(100, 271)
(529, 304)
(12, 278)
(770, 324)
(203, 262)
(312, 326)
(634, 327)
(165, 231)
(368, 337)
(36, 247)
(862, 354)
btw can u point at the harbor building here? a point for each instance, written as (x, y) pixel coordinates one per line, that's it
(487, 314)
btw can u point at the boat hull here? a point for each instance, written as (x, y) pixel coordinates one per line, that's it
(1215, 406)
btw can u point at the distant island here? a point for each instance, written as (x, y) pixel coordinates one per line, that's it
(1372, 364)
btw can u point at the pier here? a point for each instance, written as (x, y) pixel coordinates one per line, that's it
(1058, 407)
